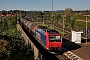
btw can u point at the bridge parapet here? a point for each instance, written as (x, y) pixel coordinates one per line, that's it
(29, 43)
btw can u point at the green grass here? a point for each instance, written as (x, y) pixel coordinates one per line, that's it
(43, 24)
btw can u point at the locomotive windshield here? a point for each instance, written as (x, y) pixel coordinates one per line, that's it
(54, 39)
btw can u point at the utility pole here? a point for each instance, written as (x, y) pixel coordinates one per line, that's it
(37, 17)
(86, 28)
(52, 10)
(17, 16)
(63, 23)
(43, 18)
(47, 17)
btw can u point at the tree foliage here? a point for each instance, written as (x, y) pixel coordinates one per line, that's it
(68, 11)
(12, 45)
(73, 22)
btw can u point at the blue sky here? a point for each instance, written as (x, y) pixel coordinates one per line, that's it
(44, 4)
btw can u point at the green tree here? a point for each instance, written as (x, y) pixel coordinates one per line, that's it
(12, 47)
(68, 11)
(73, 22)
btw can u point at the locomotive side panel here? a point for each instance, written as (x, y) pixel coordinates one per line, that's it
(41, 36)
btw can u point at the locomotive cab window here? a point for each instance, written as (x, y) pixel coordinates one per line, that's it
(54, 39)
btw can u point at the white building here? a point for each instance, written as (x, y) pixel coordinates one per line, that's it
(76, 36)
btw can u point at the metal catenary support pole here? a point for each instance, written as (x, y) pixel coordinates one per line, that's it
(86, 28)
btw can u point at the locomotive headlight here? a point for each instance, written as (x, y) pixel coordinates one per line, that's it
(47, 48)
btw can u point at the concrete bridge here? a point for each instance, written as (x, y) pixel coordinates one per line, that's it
(30, 44)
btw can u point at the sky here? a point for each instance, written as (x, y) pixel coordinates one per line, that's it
(44, 5)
